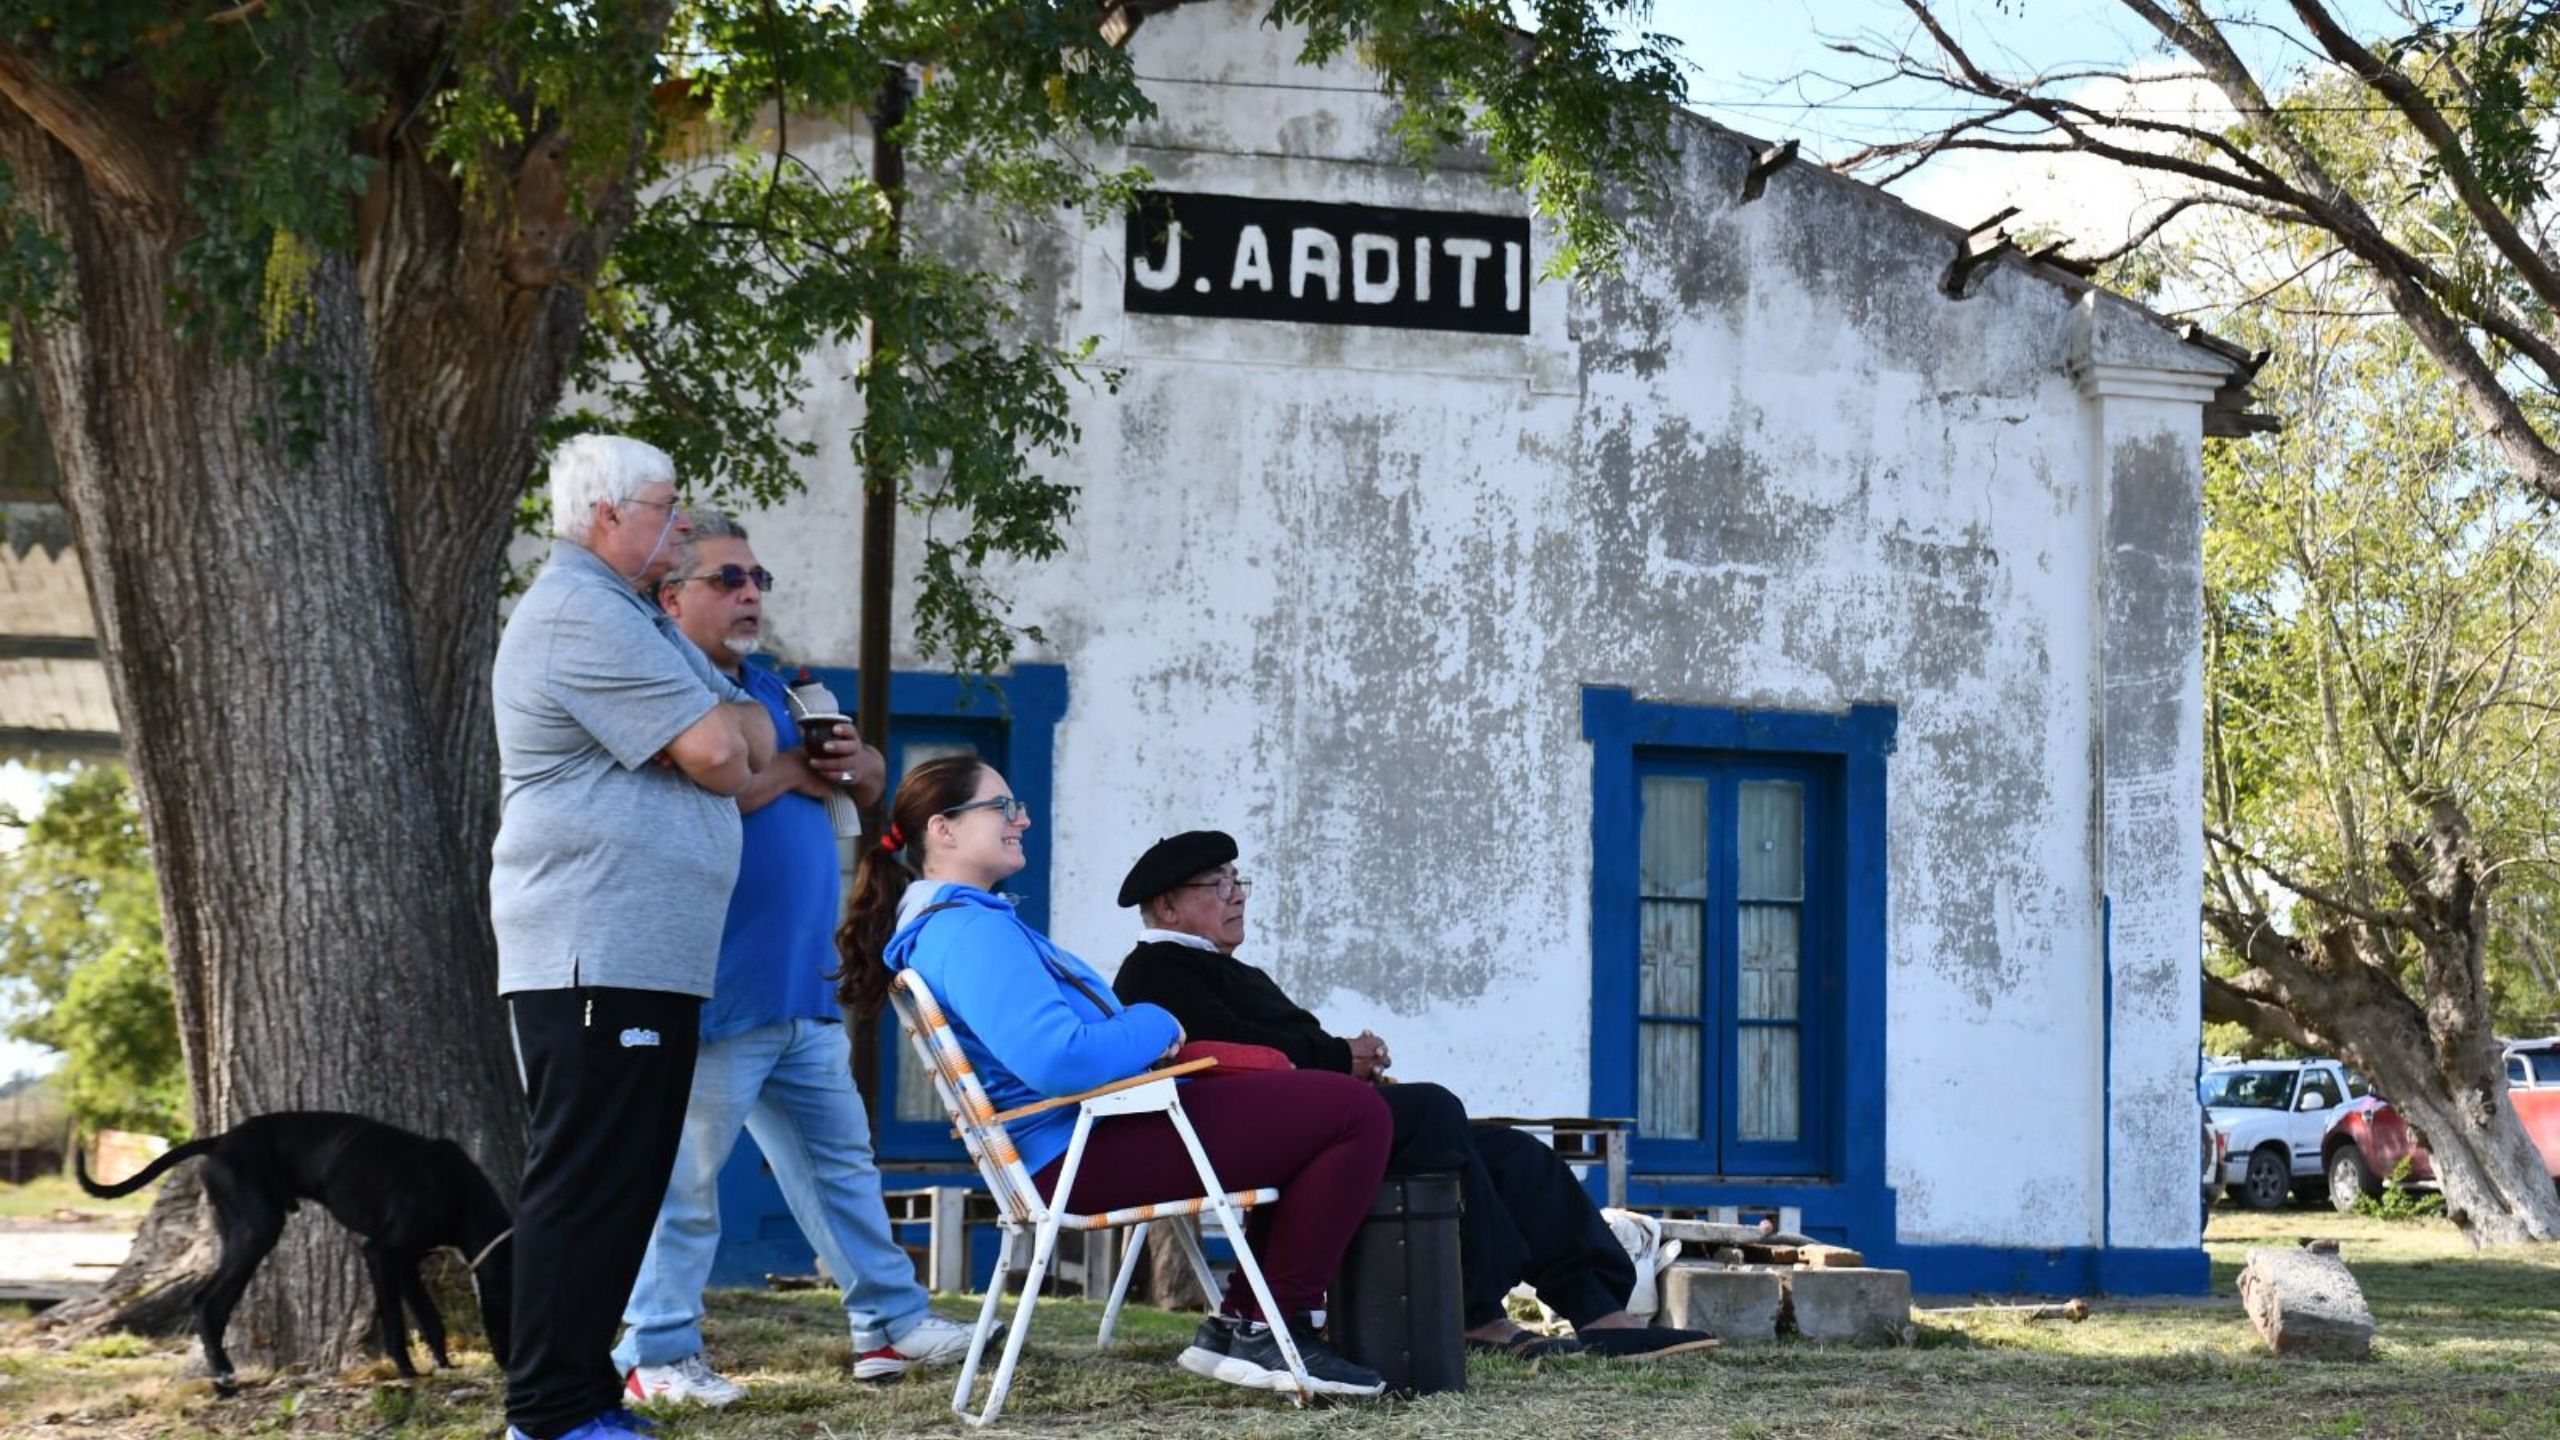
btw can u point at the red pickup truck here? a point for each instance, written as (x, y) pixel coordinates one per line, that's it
(2369, 1140)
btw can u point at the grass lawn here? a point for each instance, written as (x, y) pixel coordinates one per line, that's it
(39, 1198)
(2468, 1347)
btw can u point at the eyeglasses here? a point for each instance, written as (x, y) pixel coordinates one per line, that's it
(1227, 886)
(733, 578)
(1005, 805)
(670, 506)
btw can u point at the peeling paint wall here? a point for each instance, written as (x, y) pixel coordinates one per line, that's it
(1338, 591)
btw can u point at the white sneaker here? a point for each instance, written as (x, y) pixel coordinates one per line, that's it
(690, 1380)
(934, 1341)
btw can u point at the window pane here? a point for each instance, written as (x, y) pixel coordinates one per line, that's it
(1765, 1108)
(1667, 1088)
(1673, 857)
(1771, 948)
(1672, 946)
(1772, 840)
(916, 1097)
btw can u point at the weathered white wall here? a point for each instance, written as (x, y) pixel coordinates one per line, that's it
(1338, 591)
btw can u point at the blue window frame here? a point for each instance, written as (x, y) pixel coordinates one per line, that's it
(1738, 954)
(1011, 721)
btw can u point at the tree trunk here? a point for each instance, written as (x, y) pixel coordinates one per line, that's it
(473, 311)
(2453, 1098)
(2434, 1058)
(326, 934)
(2494, 1188)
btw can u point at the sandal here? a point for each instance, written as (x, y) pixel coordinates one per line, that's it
(1526, 1345)
(1646, 1342)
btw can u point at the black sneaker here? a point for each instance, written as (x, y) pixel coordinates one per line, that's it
(1208, 1346)
(1253, 1359)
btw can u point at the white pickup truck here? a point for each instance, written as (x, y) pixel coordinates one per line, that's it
(2272, 1116)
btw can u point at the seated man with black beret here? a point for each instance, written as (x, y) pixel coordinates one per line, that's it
(1526, 1218)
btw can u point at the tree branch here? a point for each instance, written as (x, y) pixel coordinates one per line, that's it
(2325, 899)
(2451, 158)
(113, 142)
(2264, 1018)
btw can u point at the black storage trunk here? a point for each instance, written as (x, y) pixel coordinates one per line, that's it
(1396, 1304)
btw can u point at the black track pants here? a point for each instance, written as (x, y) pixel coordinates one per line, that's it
(606, 1076)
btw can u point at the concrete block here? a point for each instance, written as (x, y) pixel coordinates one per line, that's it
(1739, 1307)
(1860, 1307)
(2306, 1304)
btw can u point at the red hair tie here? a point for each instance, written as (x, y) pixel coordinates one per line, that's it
(895, 840)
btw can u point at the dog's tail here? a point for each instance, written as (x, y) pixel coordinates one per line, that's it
(148, 1173)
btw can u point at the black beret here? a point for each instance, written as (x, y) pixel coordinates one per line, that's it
(1171, 861)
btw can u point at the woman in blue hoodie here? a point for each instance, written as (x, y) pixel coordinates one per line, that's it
(1037, 1022)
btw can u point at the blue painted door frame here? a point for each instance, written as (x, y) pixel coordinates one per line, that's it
(1842, 1191)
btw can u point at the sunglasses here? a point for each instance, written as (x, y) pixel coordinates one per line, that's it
(1006, 805)
(733, 578)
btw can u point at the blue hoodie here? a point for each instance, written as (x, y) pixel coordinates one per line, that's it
(1028, 1032)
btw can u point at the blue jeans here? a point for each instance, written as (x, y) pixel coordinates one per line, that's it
(791, 1085)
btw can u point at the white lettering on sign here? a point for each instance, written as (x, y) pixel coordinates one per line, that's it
(1367, 289)
(1314, 252)
(1161, 276)
(1467, 253)
(1220, 257)
(1253, 261)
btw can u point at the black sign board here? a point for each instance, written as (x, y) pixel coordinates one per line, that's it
(1232, 258)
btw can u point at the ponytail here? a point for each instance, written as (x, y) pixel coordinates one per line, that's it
(887, 867)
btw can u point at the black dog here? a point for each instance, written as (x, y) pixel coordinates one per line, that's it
(403, 1194)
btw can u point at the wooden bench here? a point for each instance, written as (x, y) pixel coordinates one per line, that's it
(1582, 1140)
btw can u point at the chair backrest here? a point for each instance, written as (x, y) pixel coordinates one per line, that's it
(972, 1113)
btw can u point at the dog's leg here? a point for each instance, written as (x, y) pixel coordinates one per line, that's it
(386, 1307)
(250, 1224)
(422, 1308)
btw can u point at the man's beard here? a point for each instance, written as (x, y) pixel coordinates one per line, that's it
(742, 646)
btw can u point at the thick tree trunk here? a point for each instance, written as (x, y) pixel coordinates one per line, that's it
(325, 929)
(474, 317)
(299, 638)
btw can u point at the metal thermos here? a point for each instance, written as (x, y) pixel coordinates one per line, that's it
(814, 707)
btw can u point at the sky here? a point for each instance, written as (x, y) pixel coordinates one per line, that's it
(1766, 68)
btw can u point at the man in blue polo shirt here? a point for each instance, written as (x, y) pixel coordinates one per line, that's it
(774, 1051)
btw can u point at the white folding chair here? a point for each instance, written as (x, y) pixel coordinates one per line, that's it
(1020, 1207)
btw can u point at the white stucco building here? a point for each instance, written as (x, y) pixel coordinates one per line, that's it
(1759, 693)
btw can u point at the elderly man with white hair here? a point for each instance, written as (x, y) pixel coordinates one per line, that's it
(620, 751)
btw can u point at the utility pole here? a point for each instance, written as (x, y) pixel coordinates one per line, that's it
(880, 486)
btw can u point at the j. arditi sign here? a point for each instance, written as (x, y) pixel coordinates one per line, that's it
(1228, 257)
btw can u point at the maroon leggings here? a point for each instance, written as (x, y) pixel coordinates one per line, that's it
(1322, 1138)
